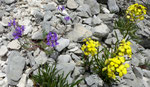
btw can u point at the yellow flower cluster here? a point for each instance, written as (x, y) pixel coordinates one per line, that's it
(124, 48)
(90, 47)
(115, 66)
(135, 12)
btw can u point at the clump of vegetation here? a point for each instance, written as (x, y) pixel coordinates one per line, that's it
(48, 77)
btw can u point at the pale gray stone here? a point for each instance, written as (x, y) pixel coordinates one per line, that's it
(138, 72)
(66, 68)
(3, 50)
(96, 20)
(15, 67)
(9, 1)
(1, 28)
(41, 58)
(22, 82)
(64, 59)
(79, 33)
(46, 26)
(37, 35)
(87, 21)
(63, 43)
(94, 80)
(50, 7)
(94, 6)
(146, 73)
(48, 15)
(15, 44)
(101, 30)
(113, 7)
(84, 10)
(71, 4)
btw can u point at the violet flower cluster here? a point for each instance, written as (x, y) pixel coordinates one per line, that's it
(62, 9)
(52, 39)
(18, 30)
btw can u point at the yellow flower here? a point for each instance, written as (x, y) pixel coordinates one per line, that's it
(136, 12)
(90, 47)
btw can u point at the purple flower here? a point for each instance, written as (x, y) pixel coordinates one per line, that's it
(14, 22)
(9, 23)
(52, 39)
(67, 18)
(61, 8)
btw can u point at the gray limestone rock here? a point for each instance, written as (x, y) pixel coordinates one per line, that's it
(113, 7)
(15, 67)
(64, 59)
(71, 4)
(94, 81)
(94, 6)
(63, 43)
(3, 50)
(48, 15)
(79, 33)
(138, 72)
(41, 58)
(46, 26)
(101, 30)
(37, 35)
(9, 1)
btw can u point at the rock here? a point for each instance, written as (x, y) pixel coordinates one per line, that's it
(94, 6)
(1, 13)
(54, 55)
(5, 21)
(66, 68)
(3, 50)
(88, 21)
(37, 35)
(38, 15)
(75, 57)
(22, 82)
(41, 58)
(138, 72)
(84, 10)
(113, 7)
(146, 73)
(64, 59)
(76, 72)
(100, 30)
(135, 61)
(36, 52)
(15, 67)
(63, 43)
(1, 28)
(9, 1)
(94, 80)
(46, 26)
(50, 7)
(30, 83)
(105, 10)
(2, 75)
(106, 17)
(79, 33)
(15, 44)
(47, 16)
(96, 20)
(71, 4)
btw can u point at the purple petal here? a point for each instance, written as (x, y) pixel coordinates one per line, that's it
(22, 27)
(63, 8)
(67, 18)
(59, 8)
(14, 22)
(48, 43)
